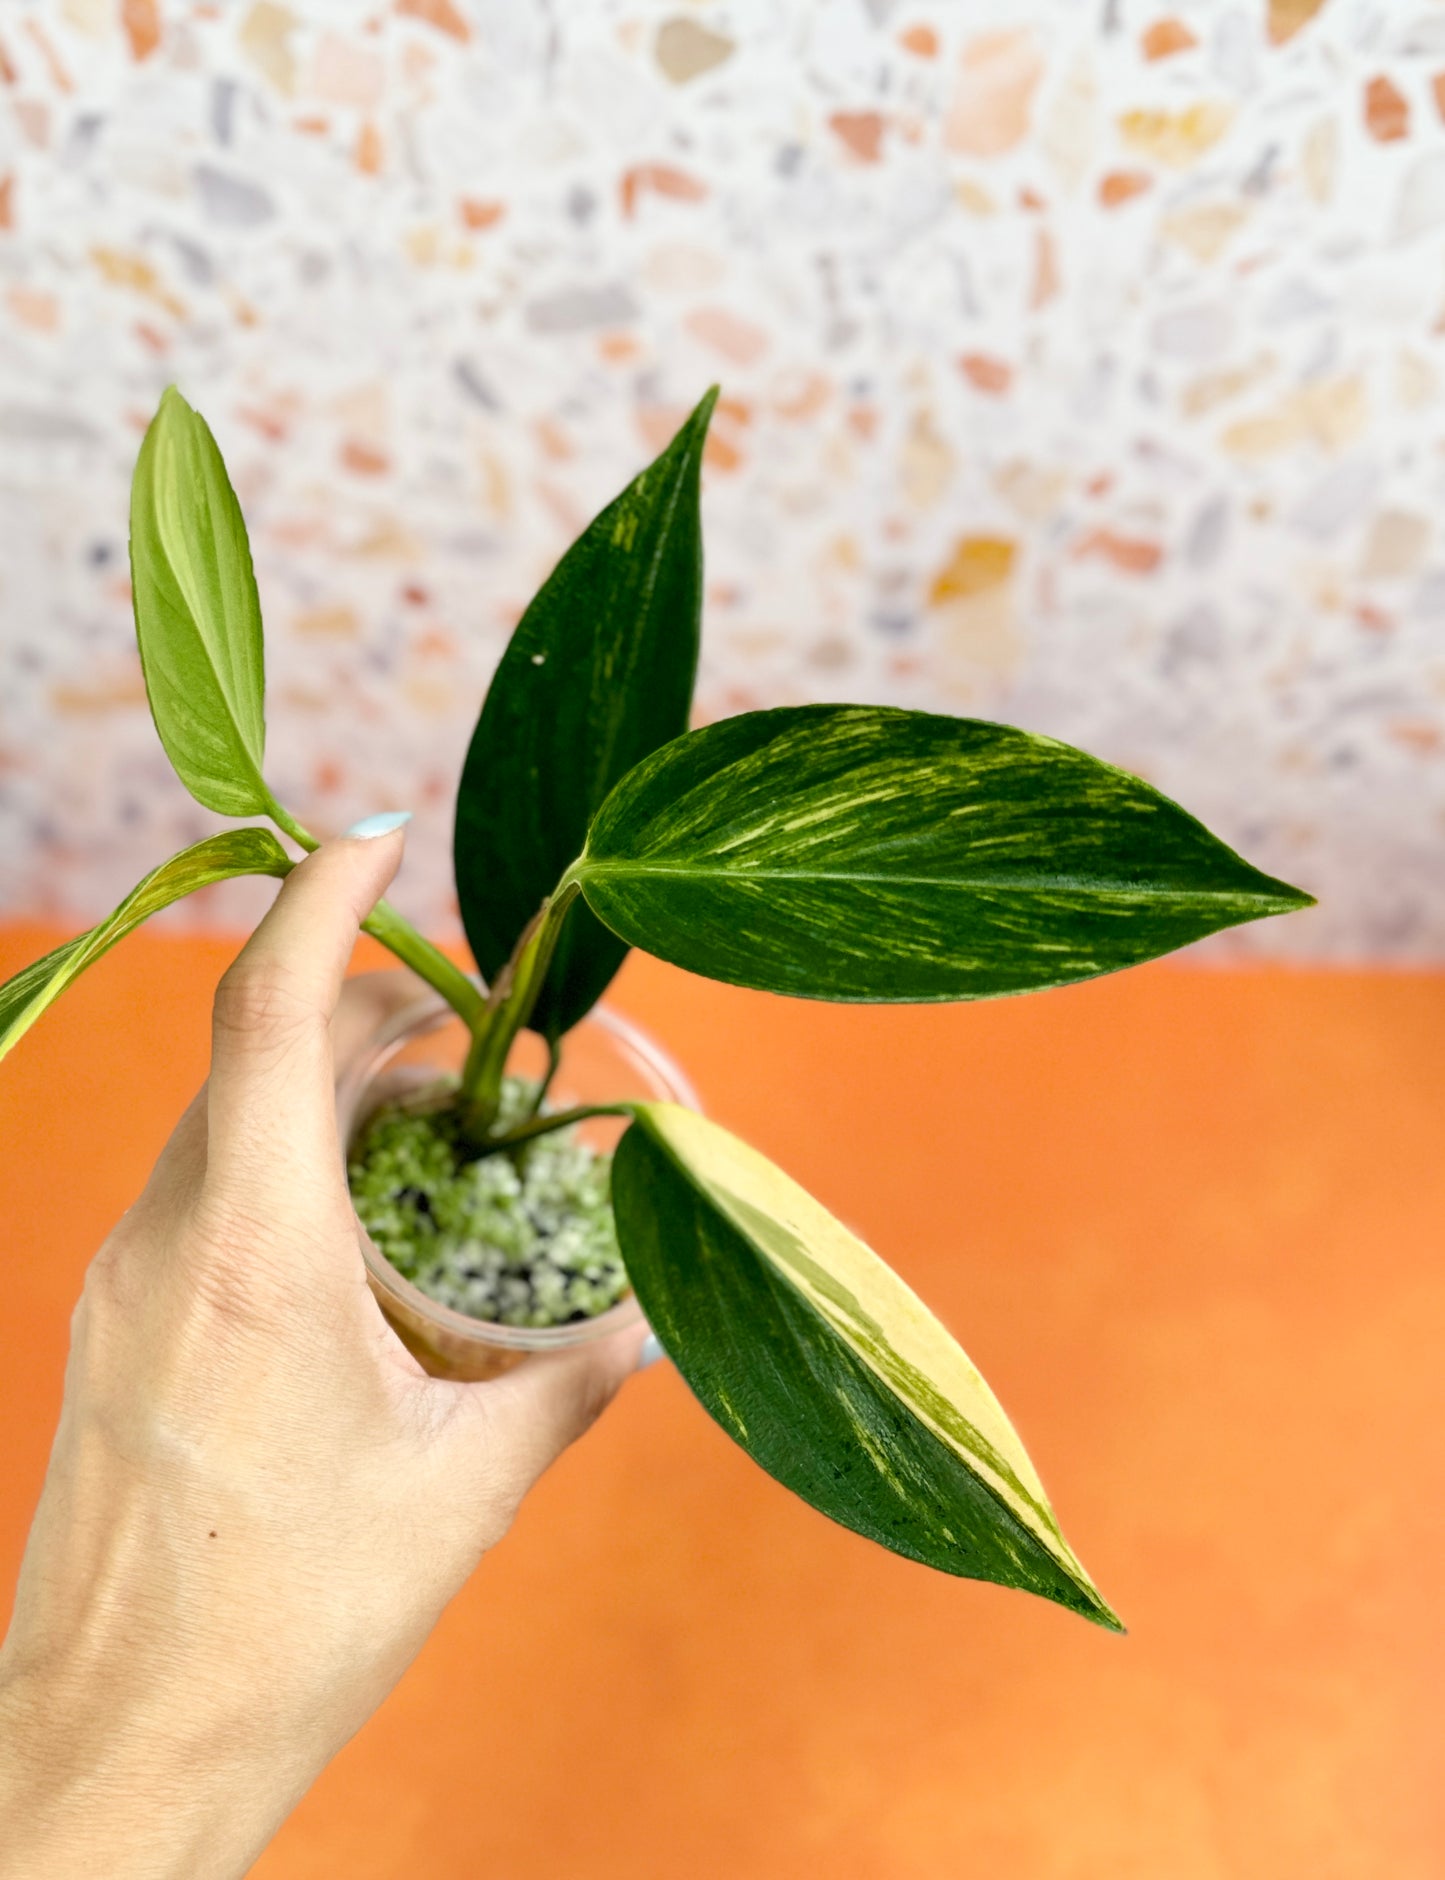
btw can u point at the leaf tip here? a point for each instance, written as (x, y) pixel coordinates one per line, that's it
(1287, 899)
(1104, 1616)
(701, 415)
(173, 416)
(173, 400)
(1086, 1600)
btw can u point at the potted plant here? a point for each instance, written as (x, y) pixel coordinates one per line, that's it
(841, 852)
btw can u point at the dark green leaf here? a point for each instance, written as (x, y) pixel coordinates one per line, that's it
(197, 616)
(855, 852)
(598, 673)
(218, 858)
(815, 1357)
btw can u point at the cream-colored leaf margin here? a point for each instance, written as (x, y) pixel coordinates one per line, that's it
(877, 1316)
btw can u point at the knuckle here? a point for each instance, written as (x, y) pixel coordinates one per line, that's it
(118, 1294)
(263, 1007)
(111, 1283)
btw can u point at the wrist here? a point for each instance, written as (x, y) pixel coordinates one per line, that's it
(90, 1782)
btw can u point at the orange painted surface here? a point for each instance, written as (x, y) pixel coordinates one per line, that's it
(1189, 1224)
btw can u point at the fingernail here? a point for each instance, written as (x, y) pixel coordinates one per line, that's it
(651, 1351)
(381, 824)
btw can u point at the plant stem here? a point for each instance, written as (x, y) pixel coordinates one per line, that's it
(428, 962)
(544, 1125)
(289, 826)
(401, 938)
(514, 993)
(554, 1058)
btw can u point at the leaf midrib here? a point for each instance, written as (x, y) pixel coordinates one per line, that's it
(168, 536)
(1024, 884)
(213, 643)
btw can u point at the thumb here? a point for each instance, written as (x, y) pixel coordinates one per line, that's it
(271, 1103)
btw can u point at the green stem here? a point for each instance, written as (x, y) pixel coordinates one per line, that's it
(554, 1058)
(513, 995)
(399, 936)
(428, 962)
(288, 825)
(544, 1125)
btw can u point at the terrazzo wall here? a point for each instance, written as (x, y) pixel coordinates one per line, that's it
(1082, 367)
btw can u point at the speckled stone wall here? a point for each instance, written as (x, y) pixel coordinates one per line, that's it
(1082, 367)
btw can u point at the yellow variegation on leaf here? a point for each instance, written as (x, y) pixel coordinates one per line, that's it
(833, 1375)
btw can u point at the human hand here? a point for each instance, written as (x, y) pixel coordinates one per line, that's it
(257, 1503)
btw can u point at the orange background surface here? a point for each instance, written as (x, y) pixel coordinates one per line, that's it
(1189, 1224)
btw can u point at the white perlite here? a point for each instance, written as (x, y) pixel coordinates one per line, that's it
(519, 1240)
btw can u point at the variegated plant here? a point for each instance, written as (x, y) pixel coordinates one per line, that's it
(843, 852)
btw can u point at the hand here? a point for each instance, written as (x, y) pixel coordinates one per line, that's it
(258, 1504)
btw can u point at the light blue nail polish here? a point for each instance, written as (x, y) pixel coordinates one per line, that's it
(381, 824)
(651, 1351)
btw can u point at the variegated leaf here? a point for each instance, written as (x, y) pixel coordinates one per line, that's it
(859, 852)
(218, 858)
(197, 615)
(815, 1357)
(598, 672)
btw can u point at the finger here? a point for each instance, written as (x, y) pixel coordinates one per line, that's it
(524, 1419)
(272, 1099)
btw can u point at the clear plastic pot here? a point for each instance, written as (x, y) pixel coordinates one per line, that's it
(604, 1060)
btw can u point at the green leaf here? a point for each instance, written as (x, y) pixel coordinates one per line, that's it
(197, 615)
(218, 858)
(857, 852)
(598, 673)
(815, 1357)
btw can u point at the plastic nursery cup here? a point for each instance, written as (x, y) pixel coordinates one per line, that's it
(604, 1060)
